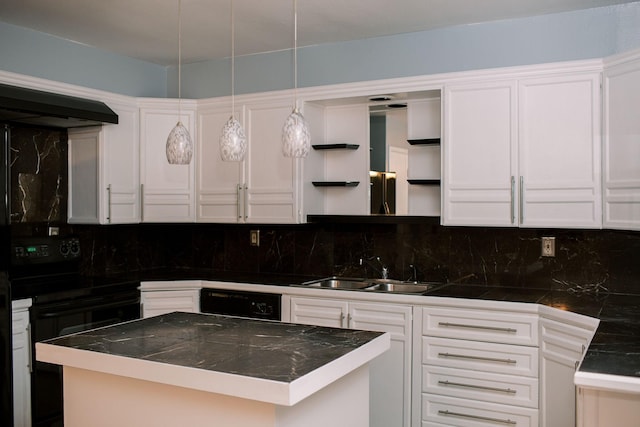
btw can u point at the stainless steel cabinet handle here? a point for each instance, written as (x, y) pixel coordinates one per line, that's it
(513, 199)
(29, 348)
(478, 387)
(521, 200)
(486, 359)
(476, 417)
(109, 203)
(246, 201)
(488, 328)
(342, 319)
(349, 319)
(239, 199)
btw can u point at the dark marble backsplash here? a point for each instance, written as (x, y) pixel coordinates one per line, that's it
(593, 259)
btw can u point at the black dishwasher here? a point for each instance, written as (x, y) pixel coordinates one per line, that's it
(257, 305)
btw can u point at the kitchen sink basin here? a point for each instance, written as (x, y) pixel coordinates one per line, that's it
(372, 285)
(339, 283)
(400, 287)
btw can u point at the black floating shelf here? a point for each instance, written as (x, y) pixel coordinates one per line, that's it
(428, 141)
(424, 181)
(335, 183)
(335, 146)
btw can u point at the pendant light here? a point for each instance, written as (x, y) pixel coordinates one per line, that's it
(296, 140)
(179, 145)
(233, 143)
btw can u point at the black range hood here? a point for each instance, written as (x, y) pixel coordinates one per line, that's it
(35, 107)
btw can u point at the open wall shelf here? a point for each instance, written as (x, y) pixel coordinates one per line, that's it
(341, 146)
(426, 141)
(335, 183)
(424, 181)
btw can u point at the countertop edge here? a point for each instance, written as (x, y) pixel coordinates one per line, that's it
(607, 382)
(258, 389)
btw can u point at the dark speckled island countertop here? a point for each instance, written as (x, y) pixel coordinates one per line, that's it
(267, 361)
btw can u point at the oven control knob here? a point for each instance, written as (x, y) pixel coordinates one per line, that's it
(64, 249)
(75, 247)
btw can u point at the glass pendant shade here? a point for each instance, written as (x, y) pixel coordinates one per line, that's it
(233, 143)
(179, 145)
(296, 139)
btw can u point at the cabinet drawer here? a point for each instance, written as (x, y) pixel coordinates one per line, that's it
(481, 325)
(475, 385)
(479, 356)
(449, 411)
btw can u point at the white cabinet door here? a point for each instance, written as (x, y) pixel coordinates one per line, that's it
(104, 179)
(155, 303)
(167, 190)
(272, 180)
(523, 153)
(21, 363)
(559, 151)
(480, 154)
(219, 184)
(390, 373)
(563, 347)
(319, 312)
(622, 143)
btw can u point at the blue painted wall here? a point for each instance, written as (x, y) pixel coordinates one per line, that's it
(32, 53)
(585, 34)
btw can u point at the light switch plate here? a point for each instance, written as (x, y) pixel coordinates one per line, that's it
(254, 237)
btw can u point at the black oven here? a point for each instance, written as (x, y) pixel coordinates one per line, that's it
(66, 313)
(46, 270)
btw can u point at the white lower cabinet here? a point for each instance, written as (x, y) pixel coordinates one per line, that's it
(157, 302)
(564, 340)
(390, 381)
(484, 373)
(606, 408)
(21, 363)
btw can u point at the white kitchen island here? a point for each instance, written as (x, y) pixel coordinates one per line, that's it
(186, 369)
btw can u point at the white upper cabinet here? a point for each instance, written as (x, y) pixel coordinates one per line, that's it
(524, 152)
(480, 154)
(167, 190)
(104, 180)
(271, 179)
(622, 142)
(559, 151)
(219, 184)
(261, 189)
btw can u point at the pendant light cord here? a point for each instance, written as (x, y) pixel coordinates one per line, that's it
(233, 54)
(295, 53)
(179, 60)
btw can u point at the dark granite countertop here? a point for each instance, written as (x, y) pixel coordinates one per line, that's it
(256, 348)
(207, 348)
(615, 348)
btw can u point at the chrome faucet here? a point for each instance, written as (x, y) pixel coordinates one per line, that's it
(384, 271)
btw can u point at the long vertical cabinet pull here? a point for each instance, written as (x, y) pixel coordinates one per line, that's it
(141, 202)
(521, 199)
(109, 204)
(239, 201)
(246, 202)
(513, 199)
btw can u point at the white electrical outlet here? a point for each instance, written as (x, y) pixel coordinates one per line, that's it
(549, 246)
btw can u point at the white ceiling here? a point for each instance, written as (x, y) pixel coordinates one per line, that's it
(147, 29)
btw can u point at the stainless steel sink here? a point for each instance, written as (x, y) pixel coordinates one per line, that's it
(372, 285)
(339, 283)
(400, 287)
